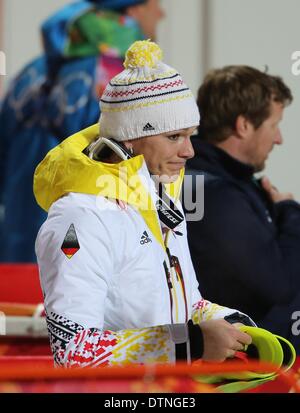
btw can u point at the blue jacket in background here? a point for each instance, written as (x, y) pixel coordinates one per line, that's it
(53, 97)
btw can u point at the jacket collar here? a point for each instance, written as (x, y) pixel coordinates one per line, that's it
(66, 169)
(212, 159)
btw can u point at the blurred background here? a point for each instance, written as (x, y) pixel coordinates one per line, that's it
(196, 35)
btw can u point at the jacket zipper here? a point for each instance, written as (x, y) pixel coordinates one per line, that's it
(175, 265)
(173, 282)
(170, 287)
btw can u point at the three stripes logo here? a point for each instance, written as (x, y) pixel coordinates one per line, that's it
(70, 244)
(148, 127)
(145, 238)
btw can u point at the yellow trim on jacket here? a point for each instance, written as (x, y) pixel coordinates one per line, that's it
(67, 169)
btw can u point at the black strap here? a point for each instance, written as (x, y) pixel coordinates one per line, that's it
(238, 318)
(167, 211)
(195, 343)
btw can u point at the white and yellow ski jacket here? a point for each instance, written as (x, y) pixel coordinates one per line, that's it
(117, 289)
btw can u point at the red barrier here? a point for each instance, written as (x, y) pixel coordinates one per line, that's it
(20, 284)
(26, 361)
(18, 346)
(26, 375)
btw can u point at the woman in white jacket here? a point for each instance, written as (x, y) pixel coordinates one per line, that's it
(115, 268)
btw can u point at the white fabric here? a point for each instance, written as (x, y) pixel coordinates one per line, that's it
(146, 101)
(114, 281)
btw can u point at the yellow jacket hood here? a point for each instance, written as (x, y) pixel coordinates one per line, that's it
(67, 169)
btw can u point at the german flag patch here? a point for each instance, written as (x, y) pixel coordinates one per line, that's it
(70, 245)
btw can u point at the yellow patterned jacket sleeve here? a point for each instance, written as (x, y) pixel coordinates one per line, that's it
(74, 346)
(205, 310)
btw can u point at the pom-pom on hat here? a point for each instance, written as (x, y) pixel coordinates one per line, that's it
(147, 98)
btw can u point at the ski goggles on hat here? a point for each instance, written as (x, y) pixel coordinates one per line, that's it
(101, 149)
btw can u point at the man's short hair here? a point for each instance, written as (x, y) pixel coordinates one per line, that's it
(237, 90)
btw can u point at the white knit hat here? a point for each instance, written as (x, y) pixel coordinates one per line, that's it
(147, 98)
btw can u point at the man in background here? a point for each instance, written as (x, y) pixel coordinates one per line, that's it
(246, 248)
(56, 95)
